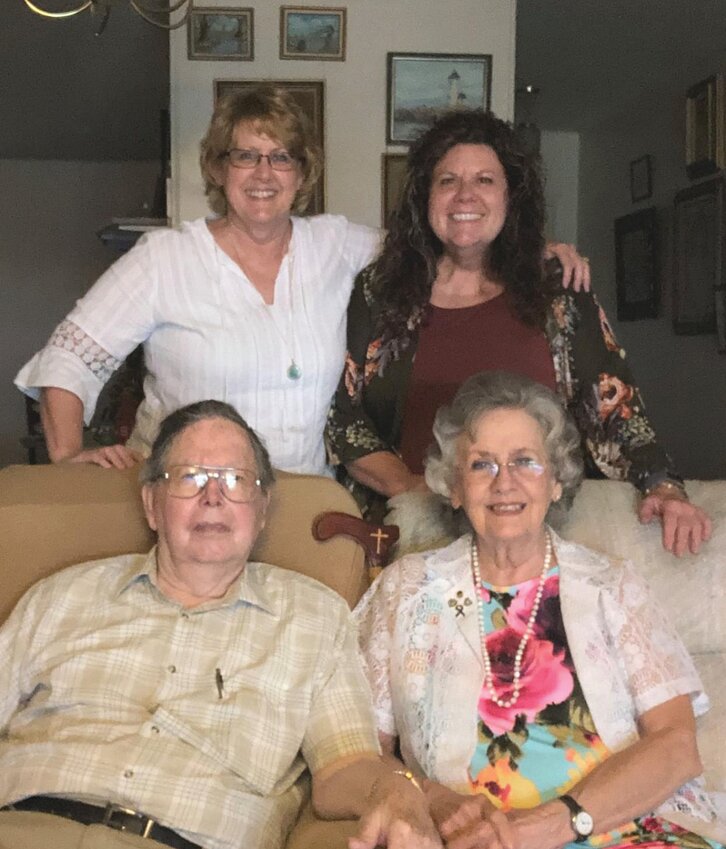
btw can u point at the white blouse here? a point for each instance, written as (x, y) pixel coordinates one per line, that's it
(207, 333)
(425, 668)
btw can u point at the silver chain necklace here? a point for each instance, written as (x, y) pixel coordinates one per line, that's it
(294, 371)
(517, 673)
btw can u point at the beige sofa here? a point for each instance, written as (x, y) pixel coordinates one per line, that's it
(52, 516)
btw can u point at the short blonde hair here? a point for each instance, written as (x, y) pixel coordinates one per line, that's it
(273, 112)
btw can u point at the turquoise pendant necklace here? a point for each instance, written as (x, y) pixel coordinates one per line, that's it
(294, 371)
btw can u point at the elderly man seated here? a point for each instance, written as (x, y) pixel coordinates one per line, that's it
(177, 698)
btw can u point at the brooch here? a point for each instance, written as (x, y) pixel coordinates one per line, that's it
(459, 603)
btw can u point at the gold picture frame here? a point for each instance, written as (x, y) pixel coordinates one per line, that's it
(219, 34)
(312, 32)
(393, 174)
(706, 127)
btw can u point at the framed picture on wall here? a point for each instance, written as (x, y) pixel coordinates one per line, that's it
(310, 96)
(312, 32)
(222, 34)
(641, 179)
(423, 85)
(705, 127)
(636, 265)
(698, 258)
(393, 173)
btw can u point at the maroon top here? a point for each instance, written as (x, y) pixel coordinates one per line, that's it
(456, 343)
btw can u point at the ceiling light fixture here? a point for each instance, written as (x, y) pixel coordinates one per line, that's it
(156, 12)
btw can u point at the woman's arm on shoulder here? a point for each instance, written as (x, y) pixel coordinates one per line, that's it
(620, 438)
(61, 413)
(575, 268)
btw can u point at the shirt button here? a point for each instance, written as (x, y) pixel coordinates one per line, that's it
(171, 668)
(185, 615)
(129, 773)
(154, 729)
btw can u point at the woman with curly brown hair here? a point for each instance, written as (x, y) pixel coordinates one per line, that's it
(459, 288)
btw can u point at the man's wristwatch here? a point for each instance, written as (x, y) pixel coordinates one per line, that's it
(581, 821)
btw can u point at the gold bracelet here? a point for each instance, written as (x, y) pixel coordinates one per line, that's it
(407, 774)
(669, 486)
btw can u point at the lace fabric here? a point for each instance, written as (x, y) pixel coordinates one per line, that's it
(70, 337)
(425, 671)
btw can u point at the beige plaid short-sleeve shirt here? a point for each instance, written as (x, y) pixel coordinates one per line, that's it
(204, 719)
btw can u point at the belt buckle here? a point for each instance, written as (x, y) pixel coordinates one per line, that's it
(112, 810)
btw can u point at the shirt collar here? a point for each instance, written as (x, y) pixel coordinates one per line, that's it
(250, 588)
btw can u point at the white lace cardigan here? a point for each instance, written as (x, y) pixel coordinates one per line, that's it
(425, 668)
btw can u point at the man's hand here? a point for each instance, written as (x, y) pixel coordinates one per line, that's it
(685, 526)
(575, 268)
(108, 456)
(397, 817)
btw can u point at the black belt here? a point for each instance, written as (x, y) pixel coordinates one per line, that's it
(113, 816)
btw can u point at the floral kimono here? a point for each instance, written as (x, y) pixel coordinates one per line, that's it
(591, 371)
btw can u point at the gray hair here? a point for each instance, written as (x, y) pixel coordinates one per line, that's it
(494, 390)
(200, 411)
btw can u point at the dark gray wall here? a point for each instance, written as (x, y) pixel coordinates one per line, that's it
(67, 94)
(79, 144)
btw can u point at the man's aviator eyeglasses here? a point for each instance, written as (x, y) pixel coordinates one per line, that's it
(238, 485)
(279, 160)
(521, 467)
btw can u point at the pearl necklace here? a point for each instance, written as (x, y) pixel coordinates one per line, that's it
(488, 677)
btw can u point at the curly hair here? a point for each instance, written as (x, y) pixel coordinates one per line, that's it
(405, 271)
(273, 112)
(495, 390)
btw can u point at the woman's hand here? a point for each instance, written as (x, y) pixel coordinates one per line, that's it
(575, 268)
(458, 811)
(495, 832)
(108, 456)
(685, 526)
(544, 827)
(61, 412)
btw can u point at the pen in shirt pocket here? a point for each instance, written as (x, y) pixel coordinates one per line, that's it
(219, 680)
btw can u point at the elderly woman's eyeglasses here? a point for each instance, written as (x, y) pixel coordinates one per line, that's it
(238, 485)
(520, 467)
(279, 160)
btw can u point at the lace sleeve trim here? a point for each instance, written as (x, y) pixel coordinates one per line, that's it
(68, 336)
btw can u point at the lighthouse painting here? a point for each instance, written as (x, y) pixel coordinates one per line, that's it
(423, 85)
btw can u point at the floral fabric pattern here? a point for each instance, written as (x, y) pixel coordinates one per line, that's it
(591, 370)
(542, 746)
(419, 634)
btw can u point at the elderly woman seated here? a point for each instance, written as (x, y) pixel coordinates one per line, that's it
(534, 687)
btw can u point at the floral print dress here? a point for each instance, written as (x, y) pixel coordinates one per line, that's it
(546, 743)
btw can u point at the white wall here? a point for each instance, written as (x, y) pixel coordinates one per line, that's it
(50, 255)
(355, 105)
(683, 378)
(561, 163)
